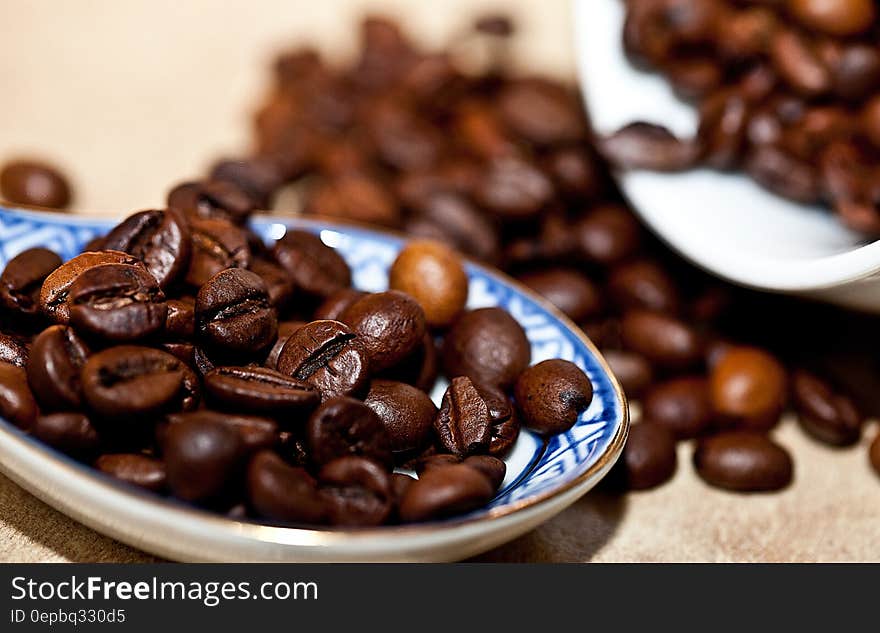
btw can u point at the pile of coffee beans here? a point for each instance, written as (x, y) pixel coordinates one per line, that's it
(183, 355)
(788, 91)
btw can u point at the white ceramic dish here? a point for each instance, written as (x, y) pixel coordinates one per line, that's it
(723, 222)
(543, 477)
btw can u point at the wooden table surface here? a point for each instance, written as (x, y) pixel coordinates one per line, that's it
(133, 95)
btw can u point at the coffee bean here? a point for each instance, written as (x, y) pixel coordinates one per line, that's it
(748, 388)
(542, 112)
(643, 145)
(452, 218)
(117, 302)
(17, 403)
(278, 283)
(681, 405)
(607, 235)
(434, 460)
(504, 421)
(53, 370)
(463, 425)
(180, 319)
(255, 433)
(212, 200)
(233, 313)
(357, 491)
(71, 433)
(743, 461)
(35, 184)
(354, 196)
(390, 325)
(282, 492)
(400, 483)
(13, 351)
(662, 339)
(216, 246)
(259, 389)
(316, 269)
(23, 278)
(567, 289)
(442, 492)
(420, 368)
(344, 426)
(259, 178)
(131, 468)
(328, 356)
(823, 412)
(649, 458)
(551, 395)
(184, 352)
(514, 188)
(432, 274)
(201, 458)
(643, 284)
(493, 468)
(337, 303)
(632, 370)
(577, 172)
(782, 173)
(841, 18)
(798, 63)
(487, 345)
(285, 330)
(406, 412)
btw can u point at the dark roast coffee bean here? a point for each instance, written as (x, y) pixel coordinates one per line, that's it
(13, 351)
(514, 188)
(631, 369)
(680, 405)
(451, 218)
(160, 239)
(216, 245)
(32, 183)
(128, 382)
(492, 467)
(201, 458)
(259, 389)
(354, 196)
(541, 112)
(17, 403)
(132, 468)
(233, 313)
(607, 235)
(577, 172)
(823, 412)
(567, 289)
(282, 492)
(649, 458)
(53, 294)
(357, 491)
(487, 345)
(337, 303)
(255, 433)
(406, 413)
(56, 359)
(400, 483)
(278, 283)
(390, 325)
(442, 492)
(316, 268)
(117, 303)
(434, 460)
(432, 274)
(180, 320)
(643, 284)
(344, 426)
(643, 145)
(70, 433)
(505, 424)
(551, 395)
(748, 388)
(328, 356)
(663, 340)
(285, 329)
(743, 461)
(182, 351)
(23, 278)
(212, 200)
(419, 369)
(259, 178)
(463, 425)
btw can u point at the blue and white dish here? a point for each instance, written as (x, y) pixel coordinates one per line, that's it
(543, 476)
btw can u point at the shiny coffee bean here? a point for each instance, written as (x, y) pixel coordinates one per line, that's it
(643, 284)
(400, 483)
(201, 458)
(434, 460)
(255, 433)
(278, 283)
(493, 468)
(748, 388)
(432, 274)
(17, 403)
(680, 405)
(504, 421)
(442, 492)
(649, 458)
(285, 330)
(117, 303)
(823, 412)
(32, 183)
(327, 355)
(333, 306)
(71, 433)
(664, 340)
(344, 426)
(419, 369)
(632, 370)
(357, 491)
(453, 219)
(216, 246)
(180, 318)
(259, 178)
(234, 315)
(407, 413)
(608, 234)
(551, 395)
(134, 469)
(488, 346)
(316, 268)
(282, 492)
(13, 351)
(22, 280)
(743, 461)
(463, 425)
(259, 389)
(56, 360)
(568, 289)
(390, 325)
(212, 200)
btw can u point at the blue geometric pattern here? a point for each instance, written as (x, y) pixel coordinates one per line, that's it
(535, 466)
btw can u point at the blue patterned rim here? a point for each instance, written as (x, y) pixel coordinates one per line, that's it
(538, 468)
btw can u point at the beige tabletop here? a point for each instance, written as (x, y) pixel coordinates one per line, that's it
(132, 95)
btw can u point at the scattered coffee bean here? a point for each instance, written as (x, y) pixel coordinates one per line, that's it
(649, 458)
(131, 468)
(744, 461)
(432, 274)
(567, 289)
(551, 395)
(632, 370)
(680, 405)
(663, 340)
(824, 413)
(32, 183)
(748, 388)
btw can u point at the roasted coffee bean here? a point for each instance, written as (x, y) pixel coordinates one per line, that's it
(505, 424)
(259, 389)
(493, 468)
(442, 492)
(17, 403)
(71, 433)
(681, 405)
(724, 118)
(577, 172)
(344, 426)
(180, 319)
(542, 112)
(782, 173)
(117, 303)
(607, 235)
(53, 293)
(400, 483)
(649, 458)
(278, 283)
(643, 284)
(132, 468)
(643, 145)
(316, 268)
(551, 395)
(212, 200)
(432, 274)
(354, 196)
(127, 383)
(53, 370)
(514, 188)
(855, 70)
(841, 18)
(631, 369)
(357, 491)
(216, 245)
(662, 339)
(259, 178)
(255, 433)
(327, 355)
(487, 345)
(419, 369)
(463, 425)
(434, 460)
(743, 461)
(874, 454)
(285, 329)
(337, 303)
(406, 412)
(160, 239)
(182, 351)
(13, 351)
(234, 315)
(281, 492)
(201, 458)
(33, 183)
(390, 325)
(798, 63)
(567, 289)
(22, 280)
(823, 412)
(748, 388)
